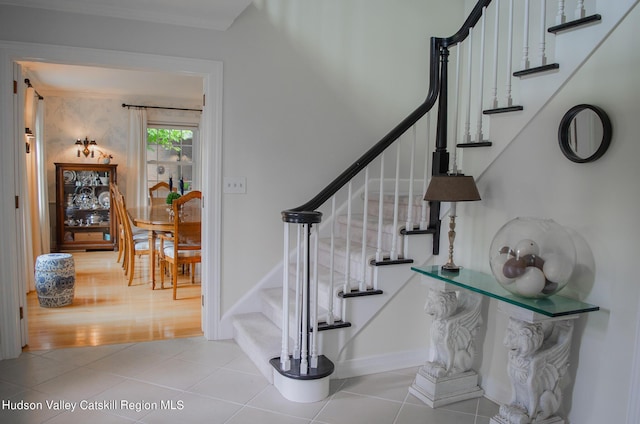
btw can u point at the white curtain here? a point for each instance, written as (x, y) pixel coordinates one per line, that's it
(36, 208)
(136, 190)
(44, 228)
(27, 176)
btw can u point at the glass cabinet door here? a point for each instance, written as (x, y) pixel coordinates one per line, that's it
(85, 215)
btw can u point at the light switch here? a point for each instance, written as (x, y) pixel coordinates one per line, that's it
(235, 185)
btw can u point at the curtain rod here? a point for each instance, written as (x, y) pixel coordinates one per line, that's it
(26, 81)
(160, 107)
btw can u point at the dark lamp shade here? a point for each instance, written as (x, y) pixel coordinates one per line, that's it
(452, 188)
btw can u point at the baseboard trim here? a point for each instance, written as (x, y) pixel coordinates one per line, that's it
(381, 363)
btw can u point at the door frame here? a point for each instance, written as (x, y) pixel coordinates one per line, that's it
(211, 151)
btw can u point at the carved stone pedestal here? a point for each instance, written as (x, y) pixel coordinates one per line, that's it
(440, 391)
(538, 339)
(554, 420)
(539, 350)
(448, 378)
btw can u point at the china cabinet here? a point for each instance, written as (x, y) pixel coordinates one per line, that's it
(85, 218)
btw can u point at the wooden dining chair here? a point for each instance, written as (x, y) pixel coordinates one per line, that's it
(115, 192)
(158, 193)
(136, 244)
(185, 247)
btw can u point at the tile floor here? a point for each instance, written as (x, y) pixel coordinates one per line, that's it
(192, 380)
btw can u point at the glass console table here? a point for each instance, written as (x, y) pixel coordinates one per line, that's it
(538, 339)
(486, 284)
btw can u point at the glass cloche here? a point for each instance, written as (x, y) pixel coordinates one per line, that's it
(532, 257)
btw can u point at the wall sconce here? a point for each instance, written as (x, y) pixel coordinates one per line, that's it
(29, 136)
(452, 188)
(86, 143)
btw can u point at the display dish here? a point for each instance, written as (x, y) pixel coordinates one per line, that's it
(104, 199)
(69, 176)
(87, 177)
(85, 199)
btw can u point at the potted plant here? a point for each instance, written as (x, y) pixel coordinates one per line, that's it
(171, 197)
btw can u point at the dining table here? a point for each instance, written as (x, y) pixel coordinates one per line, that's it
(158, 219)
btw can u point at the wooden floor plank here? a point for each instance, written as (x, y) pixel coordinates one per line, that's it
(105, 310)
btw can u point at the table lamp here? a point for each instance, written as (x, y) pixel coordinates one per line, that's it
(452, 188)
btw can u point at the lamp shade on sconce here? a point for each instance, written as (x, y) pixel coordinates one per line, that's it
(84, 147)
(452, 188)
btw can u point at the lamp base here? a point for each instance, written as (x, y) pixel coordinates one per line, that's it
(451, 268)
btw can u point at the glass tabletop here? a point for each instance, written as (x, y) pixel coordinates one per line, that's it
(479, 282)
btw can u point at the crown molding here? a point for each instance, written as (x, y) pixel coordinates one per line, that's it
(206, 14)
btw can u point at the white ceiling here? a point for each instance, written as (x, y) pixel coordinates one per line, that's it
(209, 14)
(55, 79)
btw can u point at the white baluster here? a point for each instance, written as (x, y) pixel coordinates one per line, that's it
(496, 33)
(330, 312)
(394, 240)
(467, 123)
(455, 116)
(347, 268)
(543, 32)
(363, 256)
(298, 303)
(424, 223)
(479, 135)
(304, 353)
(560, 17)
(285, 361)
(409, 223)
(509, 99)
(314, 304)
(525, 37)
(580, 12)
(379, 253)
(456, 110)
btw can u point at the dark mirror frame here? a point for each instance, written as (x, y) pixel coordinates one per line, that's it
(564, 133)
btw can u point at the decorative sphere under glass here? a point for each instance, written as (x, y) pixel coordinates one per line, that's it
(532, 257)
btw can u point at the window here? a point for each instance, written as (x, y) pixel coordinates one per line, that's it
(171, 153)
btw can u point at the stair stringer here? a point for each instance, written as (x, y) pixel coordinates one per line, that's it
(572, 49)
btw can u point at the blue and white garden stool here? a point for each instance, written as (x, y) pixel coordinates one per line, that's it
(55, 279)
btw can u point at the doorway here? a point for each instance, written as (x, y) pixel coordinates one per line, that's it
(211, 74)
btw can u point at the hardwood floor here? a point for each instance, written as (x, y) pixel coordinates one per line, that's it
(105, 310)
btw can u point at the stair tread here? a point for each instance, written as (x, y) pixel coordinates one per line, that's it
(340, 245)
(357, 221)
(403, 198)
(262, 332)
(273, 297)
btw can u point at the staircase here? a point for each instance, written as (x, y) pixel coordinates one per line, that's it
(259, 333)
(343, 270)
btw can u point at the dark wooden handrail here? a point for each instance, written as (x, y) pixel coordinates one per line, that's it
(307, 213)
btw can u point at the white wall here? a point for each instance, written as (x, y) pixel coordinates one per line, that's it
(101, 118)
(598, 202)
(308, 86)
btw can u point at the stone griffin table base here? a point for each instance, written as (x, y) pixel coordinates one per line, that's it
(538, 338)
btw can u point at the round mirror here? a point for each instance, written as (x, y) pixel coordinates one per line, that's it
(584, 133)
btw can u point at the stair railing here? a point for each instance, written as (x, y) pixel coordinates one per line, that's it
(396, 184)
(309, 215)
